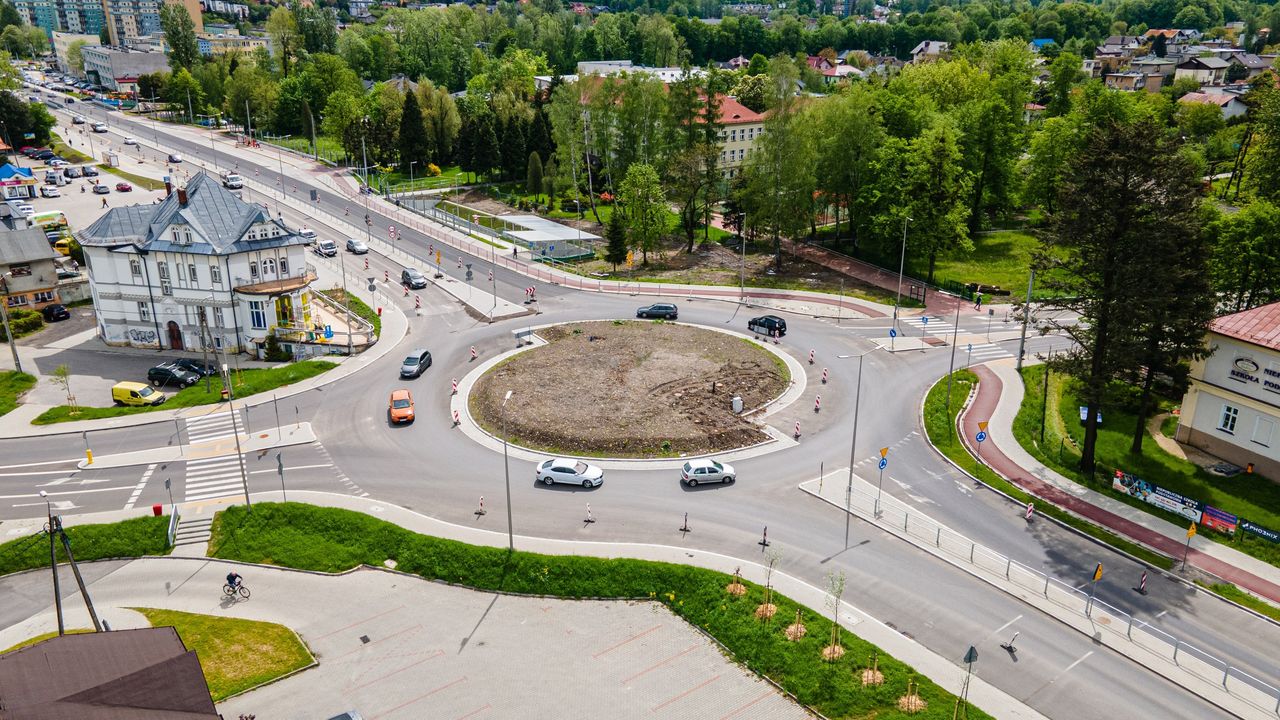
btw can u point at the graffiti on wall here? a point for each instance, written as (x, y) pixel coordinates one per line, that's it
(144, 337)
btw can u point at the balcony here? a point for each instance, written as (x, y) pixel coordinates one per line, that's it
(277, 286)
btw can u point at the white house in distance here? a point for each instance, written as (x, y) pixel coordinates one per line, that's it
(1232, 408)
(154, 269)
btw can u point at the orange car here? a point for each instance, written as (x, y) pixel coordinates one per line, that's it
(401, 407)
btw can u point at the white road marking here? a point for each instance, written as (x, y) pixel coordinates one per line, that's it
(1077, 662)
(1002, 627)
(133, 499)
(69, 492)
(1161, 614)
(38, 464)
(289, 469)
(38, 472)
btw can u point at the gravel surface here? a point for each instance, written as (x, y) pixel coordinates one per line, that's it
(630, 388)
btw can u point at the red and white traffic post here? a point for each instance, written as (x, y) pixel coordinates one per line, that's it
(824, 376)
(417, 301)
(1031, 509)
(455, 386)
(817, 403)
(457, 420)
(810, 357)
(366, 263)
(797, 435)
(473, 352)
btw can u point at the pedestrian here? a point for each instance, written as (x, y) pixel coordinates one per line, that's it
(977, 301)
(104, 202)
(515, 251)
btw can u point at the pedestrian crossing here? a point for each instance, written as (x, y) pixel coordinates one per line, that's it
(925, 324)
(212, 478)
(984, 353)
(207, 428)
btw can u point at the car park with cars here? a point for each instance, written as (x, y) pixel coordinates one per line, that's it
(569, 472)
(90, 171)
(666, 311)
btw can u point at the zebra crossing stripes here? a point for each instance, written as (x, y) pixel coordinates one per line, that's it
(212, 478)
(934, 325)
(207, 428)
(986, 352)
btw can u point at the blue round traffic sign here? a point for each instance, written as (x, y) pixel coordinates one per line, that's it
(925, 319)
(982, 435)
(893, 333)
(884, 463)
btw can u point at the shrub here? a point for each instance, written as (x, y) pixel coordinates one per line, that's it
(276, 353)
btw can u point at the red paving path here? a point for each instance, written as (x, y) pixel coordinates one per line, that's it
(984, 404)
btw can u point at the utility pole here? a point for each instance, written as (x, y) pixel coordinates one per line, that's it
(902, 259)
(235, 428)
(4, 314)
(853, 450)
(53, 564)
(1026, 319)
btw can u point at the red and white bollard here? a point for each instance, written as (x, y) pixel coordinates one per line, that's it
(456, 419)
(431, 249)
(590, 518)
(366, 263)
(490, 274)
(459, 262)
(1142, 583)
(455, 386)
(417, 302)
(386, 276)
(810, 357)
(480, 510)
(817, 403)
(1031, 509)
(797, 429)
(473, 352)
(406, 291)
(824, 376)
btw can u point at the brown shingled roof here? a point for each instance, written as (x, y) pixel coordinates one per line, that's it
(1259, 326)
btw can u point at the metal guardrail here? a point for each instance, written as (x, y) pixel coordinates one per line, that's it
(175, 516)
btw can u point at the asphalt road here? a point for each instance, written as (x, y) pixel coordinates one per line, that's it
(1057, 671)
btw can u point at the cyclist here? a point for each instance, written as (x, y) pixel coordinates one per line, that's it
(233, 579)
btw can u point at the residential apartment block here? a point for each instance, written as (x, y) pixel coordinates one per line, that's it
(84, 17)
(131, 19)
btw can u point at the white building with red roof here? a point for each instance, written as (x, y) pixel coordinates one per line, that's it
(740, 128)
(1232, 407)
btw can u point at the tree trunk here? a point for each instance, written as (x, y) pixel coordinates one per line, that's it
(933, 261)
(1140, 428)
(777, 251)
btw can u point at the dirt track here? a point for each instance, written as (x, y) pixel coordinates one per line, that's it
(634, 388)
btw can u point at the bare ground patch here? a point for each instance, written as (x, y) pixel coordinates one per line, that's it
(630, 389)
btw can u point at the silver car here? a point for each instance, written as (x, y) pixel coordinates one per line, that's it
(356, 247)
(569, 471)
(703, 471)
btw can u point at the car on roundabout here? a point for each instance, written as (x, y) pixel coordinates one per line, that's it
(696, 472)
(400, 407)
(666, 311)
(569, 472)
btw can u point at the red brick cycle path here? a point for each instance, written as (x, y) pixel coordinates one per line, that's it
(981, 409)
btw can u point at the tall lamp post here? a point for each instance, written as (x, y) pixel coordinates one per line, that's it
(853, 448)
(506, 464)
(4, 313)
(235, 428)
(415, 162)
(902, 259)
(53, 563)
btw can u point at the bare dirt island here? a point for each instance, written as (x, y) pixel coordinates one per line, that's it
(630, 389)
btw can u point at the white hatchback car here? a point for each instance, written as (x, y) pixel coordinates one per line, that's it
(573, 472)
(130, 141)
(50, 191)
(704, 471)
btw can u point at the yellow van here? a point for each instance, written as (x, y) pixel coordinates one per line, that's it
(136, 393)
(63, 246)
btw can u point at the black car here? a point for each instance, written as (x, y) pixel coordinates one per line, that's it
(170, 374)
(770, 325)
(43, 154)
(54, 313)
(90, 171)
(666, 311)
(199, 367)
(413, 278)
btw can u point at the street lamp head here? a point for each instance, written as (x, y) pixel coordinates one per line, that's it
(44, 494)
(508, 396)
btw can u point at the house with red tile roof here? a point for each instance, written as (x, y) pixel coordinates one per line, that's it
(1231, 105)
(1232, 407)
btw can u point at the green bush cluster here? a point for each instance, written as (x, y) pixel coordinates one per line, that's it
(23, 322)
(130, 538)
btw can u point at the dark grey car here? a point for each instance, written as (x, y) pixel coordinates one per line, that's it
(666, 311)
(413, 365)
(413, 278)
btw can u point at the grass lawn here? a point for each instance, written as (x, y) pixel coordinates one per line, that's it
(940, 427)
(358, 307)
(142, 182)
(328, 148)
(1248, 496)
(1001, 258)
(330, 540)
(68, 153)
(1240, 597)
(130, 538)
(246, 383)
(235, 654)
(44, 636)
(12, 385)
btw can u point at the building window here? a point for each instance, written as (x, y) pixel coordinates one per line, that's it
(144, 312)
(217, 317)
(182, 273)
(19, 270)
(215, 274)
(44, 296)
(1229, 417)
(166, 287)
(268, 267)
(253, 269)
(163, 268)
(135, 266)
(191, 271)
(17, 300)
(284, 266)
(1263, 430)
(257, 317)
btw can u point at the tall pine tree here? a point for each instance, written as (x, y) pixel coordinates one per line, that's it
(414, 139)
(533, 176)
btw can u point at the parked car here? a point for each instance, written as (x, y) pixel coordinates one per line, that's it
(124, 187)
(356, 247)
(54, 313)
(73, 171)
(136, 393)
(101, 189)
(770, 325)
(400, 407)
(77, 120)
(417, 362)
(175, 158)
(130, 141)
(170, 374)
(413, 278)
(307, 234)
(704, 471)
(572, 472)
(326, 248)
(199, 367)
(90, 171)
(43, 155)
(69, 100)
(26, 210)
(232, 181)
(66, 273)
(57, 162)
(50, 191)
(666, 311)
(99, 127)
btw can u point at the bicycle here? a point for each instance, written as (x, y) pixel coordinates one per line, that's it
(240, 590)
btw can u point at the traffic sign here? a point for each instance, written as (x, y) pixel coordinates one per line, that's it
(884, 463)
(893, 333)
(981, 436)
(970, 347)
(391, 231)
(925, 319)
(437, 257)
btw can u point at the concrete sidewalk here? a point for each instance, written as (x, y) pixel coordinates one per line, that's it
(1000, 393)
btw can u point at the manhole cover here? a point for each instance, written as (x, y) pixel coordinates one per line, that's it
(263, 435)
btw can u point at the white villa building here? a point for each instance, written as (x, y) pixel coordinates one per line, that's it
(155, 269)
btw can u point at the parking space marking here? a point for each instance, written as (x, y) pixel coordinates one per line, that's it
(423, 696)
(397, 672)
(637, 636)
(365, 620)
(767, 694)
(660, 663)
(133, 499)
(688, 692)
(475, 712)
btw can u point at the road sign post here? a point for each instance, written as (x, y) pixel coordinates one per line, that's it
(893, 333)
(1097, 575)
(981, 437)
(1191, 532)
(884, 463)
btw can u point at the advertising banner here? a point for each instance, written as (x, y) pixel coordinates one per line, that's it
(1260, 531)
(1219, 520)
(1154, 494)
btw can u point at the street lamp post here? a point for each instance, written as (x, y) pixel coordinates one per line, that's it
(235, 428)
(506, 464)
(53, 564)
(853, 450)
(415, 162)
(1026, 318)
(902, 259)
(4, 314)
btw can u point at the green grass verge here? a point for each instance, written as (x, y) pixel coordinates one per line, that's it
(68, 153)
(142, 182)
(358, 307)
(44, 636)
(1240, 597)
(235, 654)
(1169, 426)
(246, 383)
(1248, 496)
(940, 427)
(130, 538)
(12, 385)
(332, 540)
